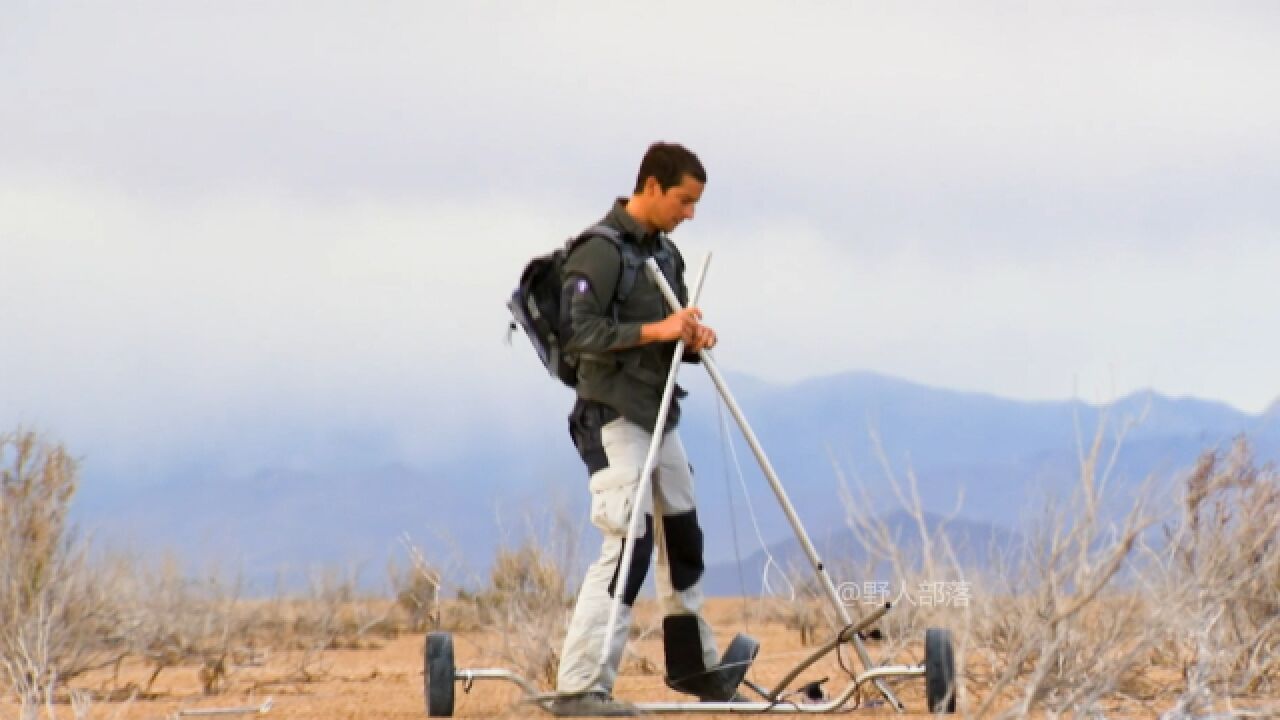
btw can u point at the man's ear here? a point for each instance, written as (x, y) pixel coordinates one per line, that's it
(651, 187)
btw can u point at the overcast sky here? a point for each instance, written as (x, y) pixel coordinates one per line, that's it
(220, 211)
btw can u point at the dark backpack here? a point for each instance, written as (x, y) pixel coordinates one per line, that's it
(536, 302)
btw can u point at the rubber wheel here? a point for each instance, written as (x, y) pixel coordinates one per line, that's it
(939, 671)
(438, 674)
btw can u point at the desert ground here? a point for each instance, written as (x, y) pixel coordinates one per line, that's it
(379, 676)
(382, 679)
(1096, 619)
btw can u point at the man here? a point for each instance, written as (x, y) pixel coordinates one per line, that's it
(625, 349)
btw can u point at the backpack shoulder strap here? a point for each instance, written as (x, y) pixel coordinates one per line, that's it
(668, 255)
(631, 259)
(594, 231)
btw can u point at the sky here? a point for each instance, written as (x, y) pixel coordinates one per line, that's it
(218, 217)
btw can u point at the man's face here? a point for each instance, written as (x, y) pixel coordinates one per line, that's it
(674, 206)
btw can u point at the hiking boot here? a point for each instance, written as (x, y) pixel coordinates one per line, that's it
(591, 704)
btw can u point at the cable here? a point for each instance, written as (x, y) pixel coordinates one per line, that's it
(840, 654)
(769, 560)
(857, 695)
(733, 519)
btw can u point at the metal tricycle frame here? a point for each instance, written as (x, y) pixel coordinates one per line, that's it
(938, 670)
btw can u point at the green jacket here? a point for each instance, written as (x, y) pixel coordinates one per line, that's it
(612, 369)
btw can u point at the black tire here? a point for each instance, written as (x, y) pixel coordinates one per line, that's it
(939, 671)
(438, 674)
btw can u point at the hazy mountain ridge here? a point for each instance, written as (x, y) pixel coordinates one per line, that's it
(1008, 456)
(784, 564)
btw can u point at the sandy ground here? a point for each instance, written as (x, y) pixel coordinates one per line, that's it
(385, 680)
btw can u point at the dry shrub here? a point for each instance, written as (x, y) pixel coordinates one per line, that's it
(637, 663)
(332, 614)
(58, 619)
(527, 599)
(416, 590)
(1090, 615)
(522, 575)
(1047, 627)
(460, 614)
(1216, 582)
(1058, 628)
(177, 620)
(527, 603)
(806, 611)
(914, 567)
(1059, 633)
(67, 613)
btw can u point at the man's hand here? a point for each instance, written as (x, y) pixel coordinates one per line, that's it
(683, 325)
(679, 325)
(704, 338)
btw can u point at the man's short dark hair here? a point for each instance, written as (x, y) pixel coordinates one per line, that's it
(668, 163)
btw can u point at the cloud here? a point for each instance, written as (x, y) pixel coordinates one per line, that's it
(311, 210)
(1186, 322)
(831, 98)
(125, 317)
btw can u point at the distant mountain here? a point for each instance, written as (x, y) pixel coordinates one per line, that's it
(281, 523)
(784, 564)
(989, 459)
(1272, 414)
(1000, 458)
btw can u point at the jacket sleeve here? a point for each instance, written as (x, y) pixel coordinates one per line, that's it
(590, 280)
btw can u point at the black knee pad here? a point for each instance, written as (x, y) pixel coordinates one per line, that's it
(684, 548)
(639, 564)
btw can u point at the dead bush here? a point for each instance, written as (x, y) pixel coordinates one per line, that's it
(333, 614)
(1217, 581)
(527, 603)
(1058, 629)
(178, 620)
(527, 599)
(416, 590)
(807, 611)
(906, 559)
(58, 619)
(1048, 626)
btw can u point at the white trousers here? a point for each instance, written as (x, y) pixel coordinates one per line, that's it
(672, 528)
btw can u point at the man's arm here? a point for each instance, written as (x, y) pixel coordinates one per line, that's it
(591, 276)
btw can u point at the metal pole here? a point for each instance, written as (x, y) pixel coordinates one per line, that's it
(709, 363)
(642, 487)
